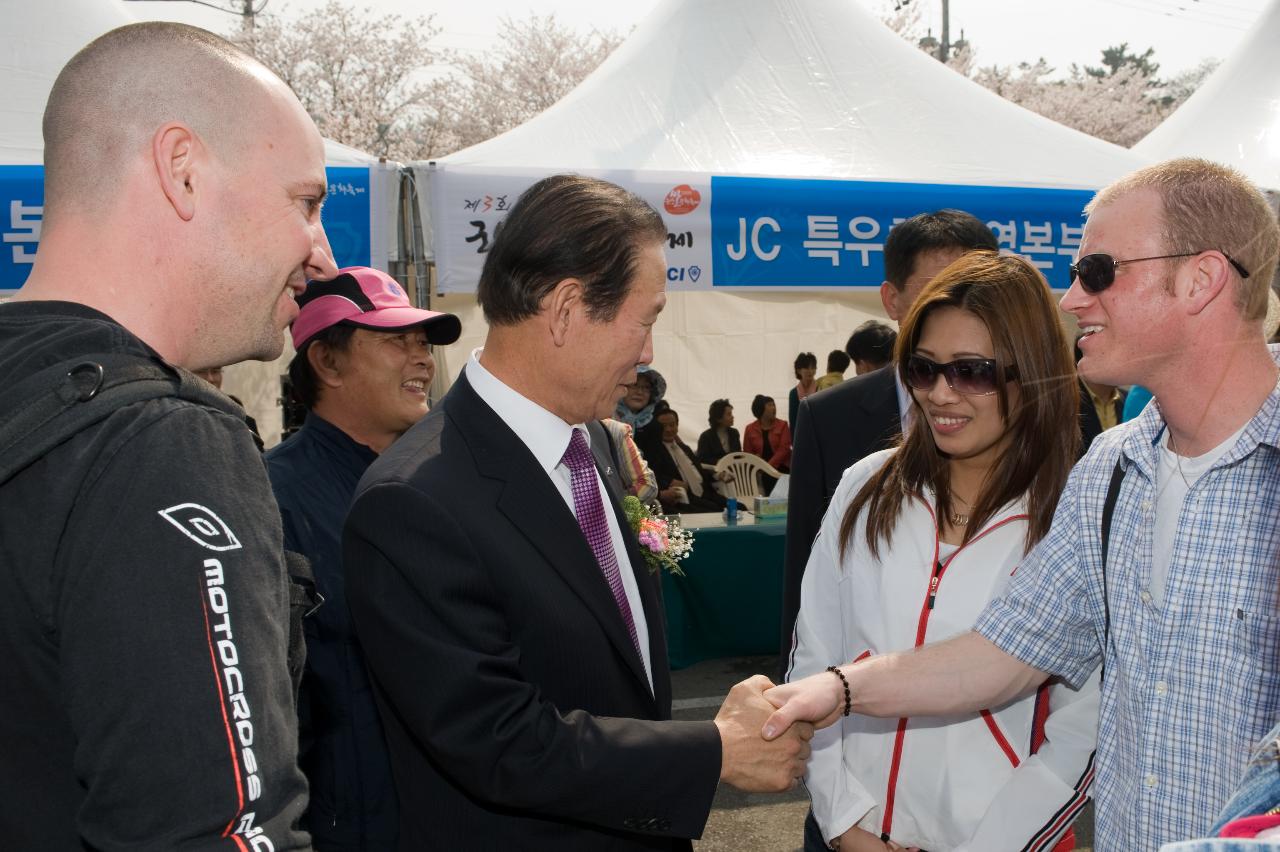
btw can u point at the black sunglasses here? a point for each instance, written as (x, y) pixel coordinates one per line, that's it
(969, 376)
(1097, 272)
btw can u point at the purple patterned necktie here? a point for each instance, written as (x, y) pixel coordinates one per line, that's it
(589, 509)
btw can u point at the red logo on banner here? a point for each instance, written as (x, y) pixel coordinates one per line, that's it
(683, 199)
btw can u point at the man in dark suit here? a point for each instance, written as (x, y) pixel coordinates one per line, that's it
(839, 426)
(514, 634)
(683, 484)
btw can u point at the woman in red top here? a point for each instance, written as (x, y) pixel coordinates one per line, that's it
(767, 436)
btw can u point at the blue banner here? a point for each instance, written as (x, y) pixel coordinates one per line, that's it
(21, 213)
(781, 232)
(346, 218)
(347, 215)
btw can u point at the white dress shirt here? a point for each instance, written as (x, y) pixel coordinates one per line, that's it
(547, 437)
(691, 475)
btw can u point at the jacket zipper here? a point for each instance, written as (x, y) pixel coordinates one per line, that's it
(935, 580)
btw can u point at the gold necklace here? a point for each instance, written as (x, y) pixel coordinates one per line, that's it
(959, 519)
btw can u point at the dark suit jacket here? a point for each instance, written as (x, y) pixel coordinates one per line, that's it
(517, 711)
(665, 469)
(1090, 424)
(710, 450)
(834, 428)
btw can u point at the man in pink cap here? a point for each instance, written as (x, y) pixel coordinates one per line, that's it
(363, 370)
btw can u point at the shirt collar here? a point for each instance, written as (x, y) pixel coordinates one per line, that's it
(545, 434)
(1141, 445)
(324, 432)
(1110, 398)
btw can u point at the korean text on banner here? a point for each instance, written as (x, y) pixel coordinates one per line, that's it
(789, 233)
(468, 204)
(21, 215)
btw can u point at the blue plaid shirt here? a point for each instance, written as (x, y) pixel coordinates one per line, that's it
(1191, 687)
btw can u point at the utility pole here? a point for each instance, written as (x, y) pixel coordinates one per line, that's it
(246, 12)
(944, 49)
(941, 51)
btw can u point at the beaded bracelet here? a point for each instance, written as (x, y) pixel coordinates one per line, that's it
(848, 698)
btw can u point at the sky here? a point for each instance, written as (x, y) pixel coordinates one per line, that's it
(1183, 32)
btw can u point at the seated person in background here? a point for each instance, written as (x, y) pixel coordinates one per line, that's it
(721, 439)
(683, 485)
(634, 474)
(837, 363)
(767, 436)
(870, 347)
(1101, 407)
(641, 401)
(806, 367)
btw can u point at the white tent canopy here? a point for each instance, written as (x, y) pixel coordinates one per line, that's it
(1234, 117)
(758, 87)
(803, 89)
(36, 40)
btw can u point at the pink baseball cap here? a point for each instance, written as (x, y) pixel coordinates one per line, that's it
(367, 298)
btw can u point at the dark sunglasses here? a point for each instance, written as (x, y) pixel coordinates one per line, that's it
(1097, 272)
(969, 376)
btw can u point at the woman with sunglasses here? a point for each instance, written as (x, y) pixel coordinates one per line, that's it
(916, 541)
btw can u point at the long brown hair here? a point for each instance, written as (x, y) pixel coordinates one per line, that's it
(1012, 299)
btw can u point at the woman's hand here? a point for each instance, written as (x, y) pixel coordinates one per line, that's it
(857, 840)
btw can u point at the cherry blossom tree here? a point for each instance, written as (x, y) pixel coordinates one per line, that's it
(364, 78)
(379, 83)
(1121, 100)
(533, 63)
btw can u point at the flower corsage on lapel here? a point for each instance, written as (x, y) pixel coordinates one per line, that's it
(662, 540)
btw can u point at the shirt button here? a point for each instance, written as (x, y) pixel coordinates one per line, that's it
(1151, 780)
(1161, 687)
(1146, 505)
(1146, 596)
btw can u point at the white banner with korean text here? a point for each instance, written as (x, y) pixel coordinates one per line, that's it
(757, 232)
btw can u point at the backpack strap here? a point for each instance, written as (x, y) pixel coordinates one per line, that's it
(58, 402)
(1108, 509)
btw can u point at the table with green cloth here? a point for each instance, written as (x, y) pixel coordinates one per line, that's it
(729, 603)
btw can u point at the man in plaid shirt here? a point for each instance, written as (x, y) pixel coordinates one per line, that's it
(1170, 290)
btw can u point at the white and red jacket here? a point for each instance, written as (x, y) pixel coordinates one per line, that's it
(975, 781)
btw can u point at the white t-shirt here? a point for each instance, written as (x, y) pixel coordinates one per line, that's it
(1174, 477)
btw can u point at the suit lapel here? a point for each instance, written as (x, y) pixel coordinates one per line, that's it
(534, 507)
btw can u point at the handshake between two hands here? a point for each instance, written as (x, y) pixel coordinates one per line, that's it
(765, 730)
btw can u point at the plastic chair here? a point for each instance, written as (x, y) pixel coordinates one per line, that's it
(745, 469)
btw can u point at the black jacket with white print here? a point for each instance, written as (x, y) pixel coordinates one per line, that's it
(144, 615)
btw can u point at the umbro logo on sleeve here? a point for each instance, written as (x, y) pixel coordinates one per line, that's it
(202, 526)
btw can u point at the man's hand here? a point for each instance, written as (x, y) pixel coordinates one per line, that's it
(818, 698)
(749, 763)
